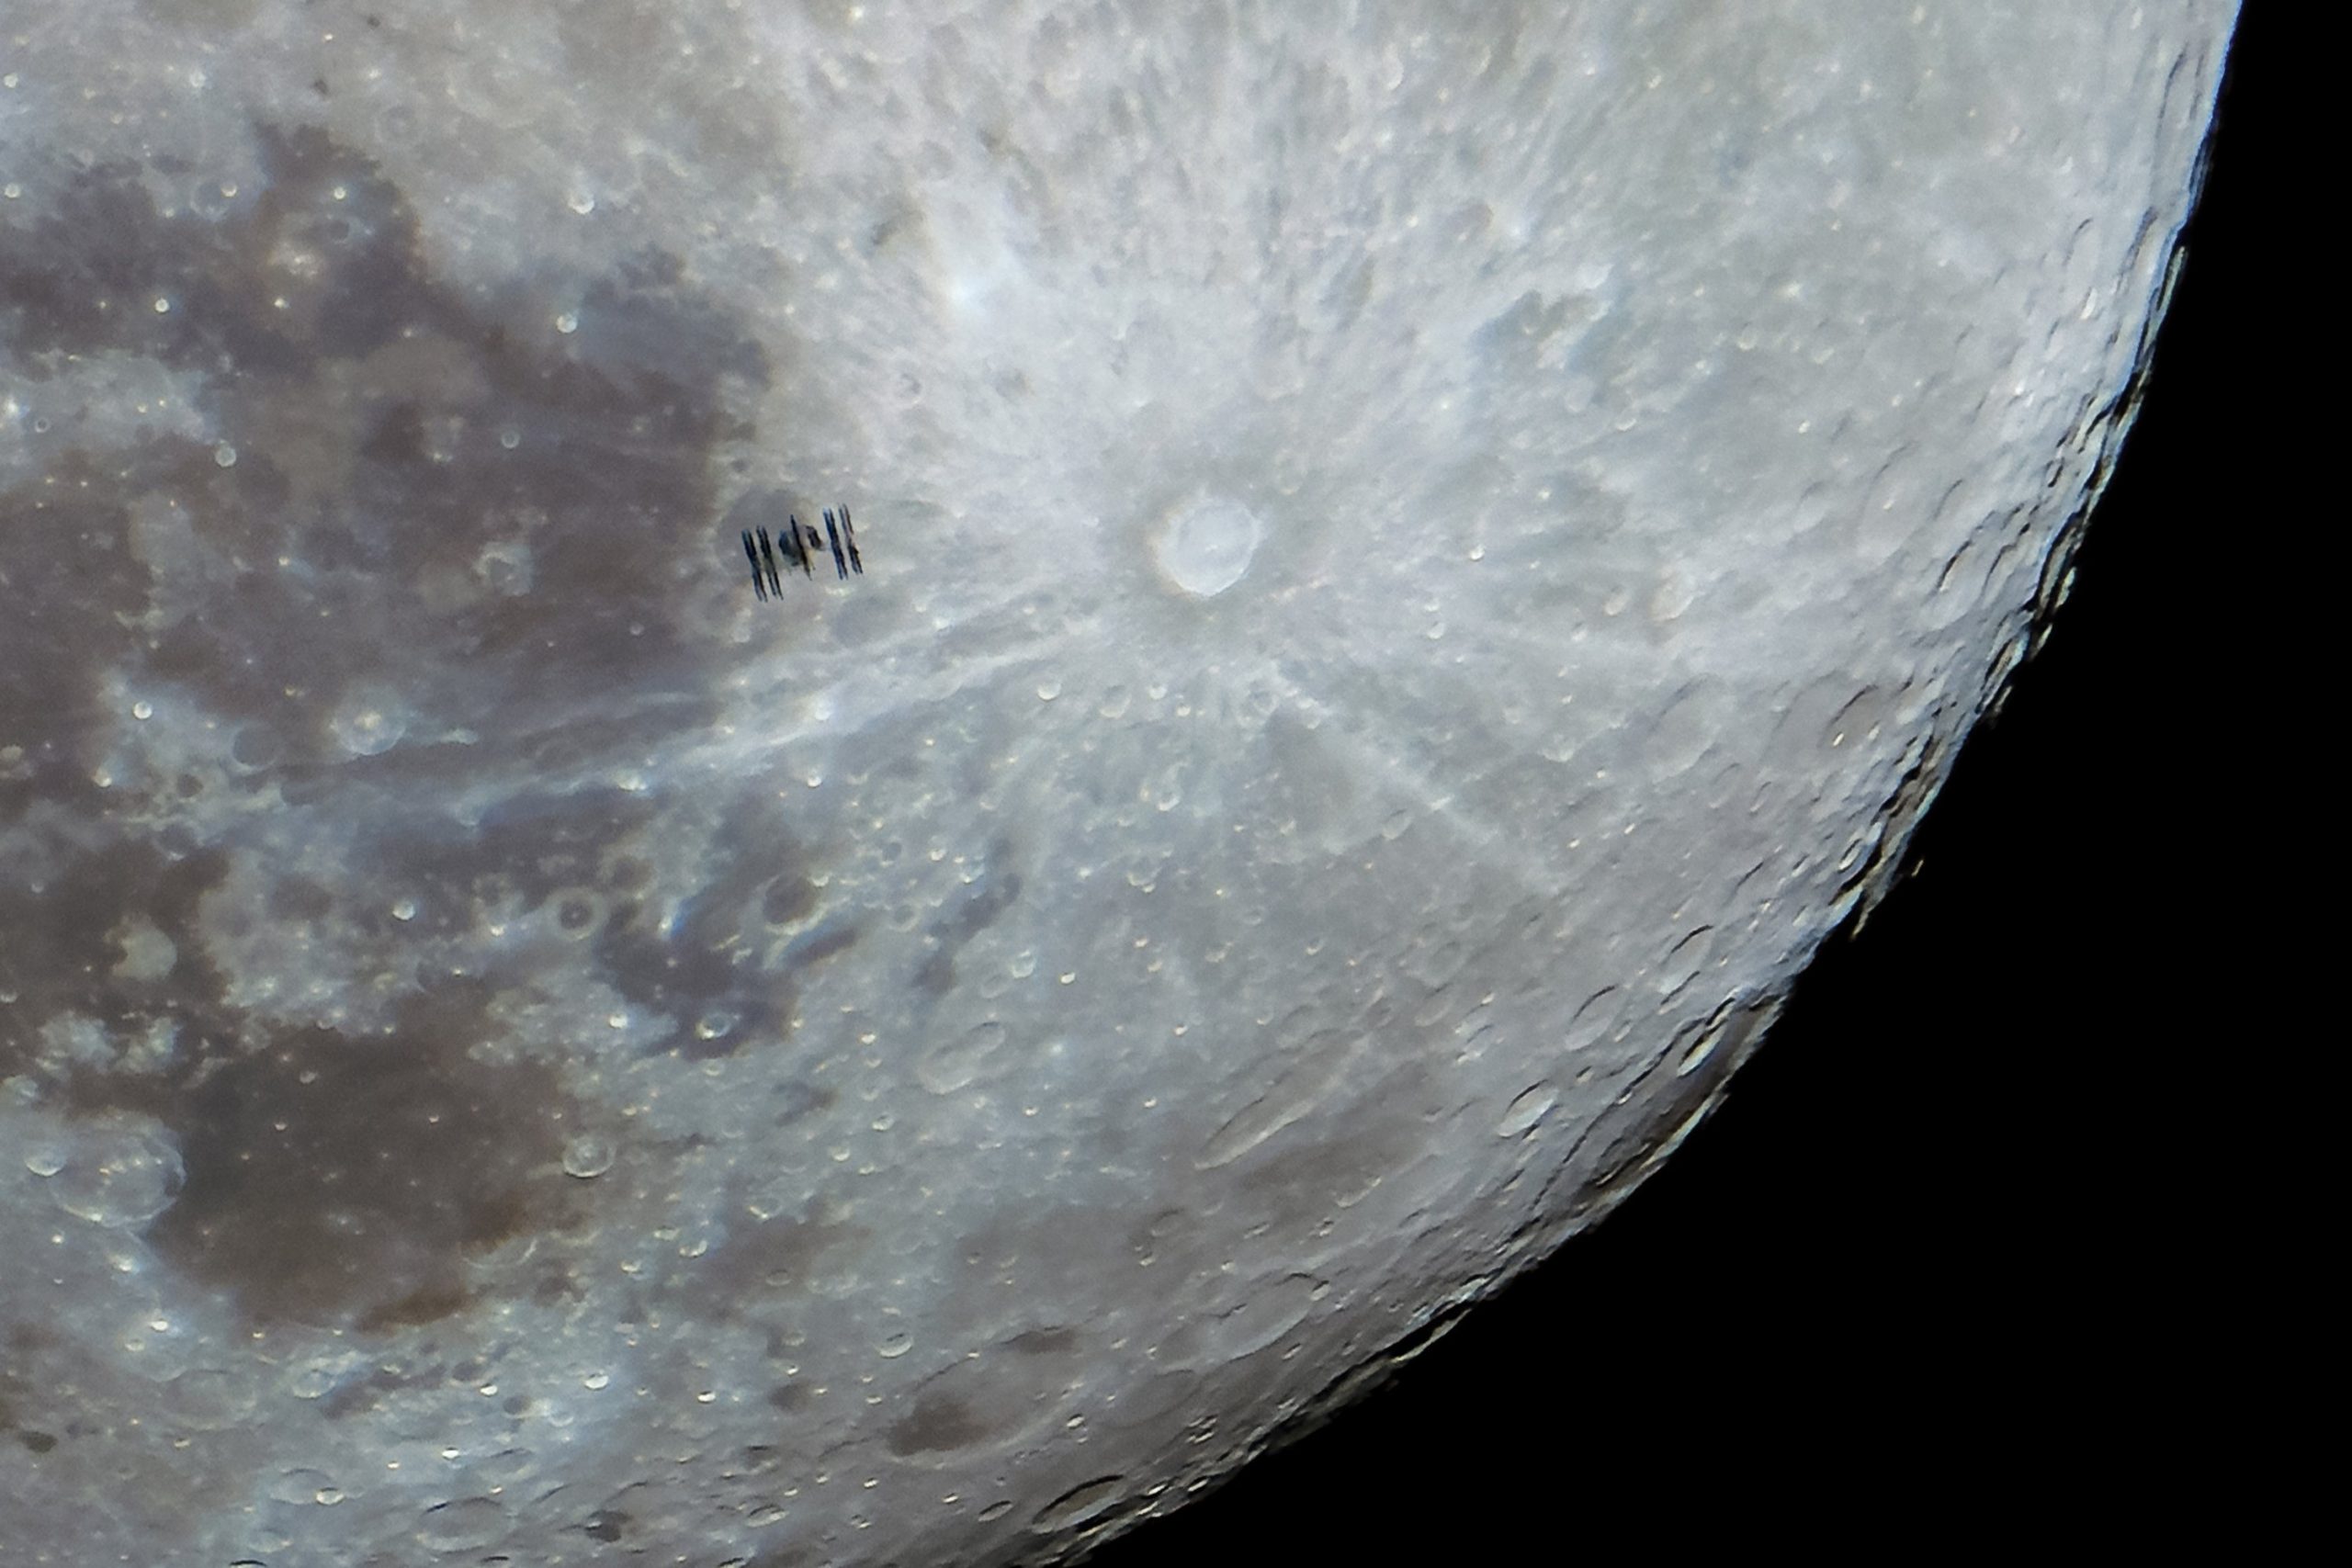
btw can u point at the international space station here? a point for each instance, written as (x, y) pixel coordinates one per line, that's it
(798, 547)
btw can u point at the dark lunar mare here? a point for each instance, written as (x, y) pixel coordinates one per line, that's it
(421, 494)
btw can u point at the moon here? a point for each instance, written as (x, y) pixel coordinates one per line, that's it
(1408, 576)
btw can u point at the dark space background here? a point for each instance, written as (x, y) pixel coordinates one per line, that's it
(1937, 1254)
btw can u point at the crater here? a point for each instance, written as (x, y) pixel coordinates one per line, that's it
(1205, 546)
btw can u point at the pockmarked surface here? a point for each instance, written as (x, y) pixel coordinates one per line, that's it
(1412, 563)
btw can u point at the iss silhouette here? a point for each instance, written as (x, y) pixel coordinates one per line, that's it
(797, 548)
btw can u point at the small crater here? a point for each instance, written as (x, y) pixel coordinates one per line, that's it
(955, 1063)
(1522, 1115)
(789, 898)
(588, 1155)
(461, 1525)
(1081, 1503)
(123, 1176)
(1205, 546)
(369, 721)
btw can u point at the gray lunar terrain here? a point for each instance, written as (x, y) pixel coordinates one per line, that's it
(1417, 558)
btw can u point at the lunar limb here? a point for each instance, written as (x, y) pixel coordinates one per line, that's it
(1429, 564)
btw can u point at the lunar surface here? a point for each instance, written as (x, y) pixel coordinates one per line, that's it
(1413, 559)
